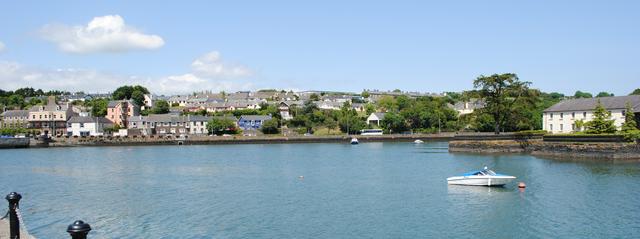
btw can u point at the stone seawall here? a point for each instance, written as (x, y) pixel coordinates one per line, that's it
(6, 143)
(538, 147)
(493, 146)
(609, 151)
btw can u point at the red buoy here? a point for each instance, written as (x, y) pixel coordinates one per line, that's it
(522, 185)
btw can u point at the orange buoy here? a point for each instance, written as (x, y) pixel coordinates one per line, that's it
(522, 185)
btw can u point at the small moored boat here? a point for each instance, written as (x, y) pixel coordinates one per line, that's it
(484, 177)
(417, 141)
(354, 141)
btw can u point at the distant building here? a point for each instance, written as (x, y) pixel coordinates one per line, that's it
(252, 122)
(468, 107)
(50, 119)
(283, 107)
(14, 119)
(87, 126)
(562, 117)
(119, 110)
(375, 118)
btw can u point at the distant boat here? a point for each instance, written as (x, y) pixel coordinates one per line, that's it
(484, 177)
(418, 141)
(354, 141)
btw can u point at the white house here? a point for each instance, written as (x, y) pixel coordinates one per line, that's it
(562, 117)
(467, 107)
(375, 118)
(87, 126)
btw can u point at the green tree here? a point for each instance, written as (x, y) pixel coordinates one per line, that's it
(365, 94)
(604, 94)
(160, 107)
(388, 103)
(98, 107)
(314, 97)
(635, 92)
(394, 123)
(126, 92)
(138, 97)
(270, 127)
(348, 120)
(629, 119)
(221, 125)
(580, 94)
(500, 92)
(330, 123)
(601, 123)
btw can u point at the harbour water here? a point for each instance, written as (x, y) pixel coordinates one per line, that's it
(370, 190)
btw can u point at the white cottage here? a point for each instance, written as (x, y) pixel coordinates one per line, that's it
(87, 126)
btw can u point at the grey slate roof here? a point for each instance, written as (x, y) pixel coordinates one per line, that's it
(15, 113)
(588, 104)
(255, 117)
(84, 119)
(380, 115)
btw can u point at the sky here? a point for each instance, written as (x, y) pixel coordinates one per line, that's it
(184, 46)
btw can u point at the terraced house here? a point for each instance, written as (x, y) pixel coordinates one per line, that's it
(562, 117)
(14, 119)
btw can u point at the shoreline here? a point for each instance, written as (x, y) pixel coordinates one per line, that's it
(220, 140)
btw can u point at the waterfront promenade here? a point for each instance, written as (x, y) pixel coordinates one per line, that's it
(4, 230)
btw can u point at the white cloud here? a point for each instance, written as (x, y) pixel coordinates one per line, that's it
(1, 46)
(14, 75)
(211, 65)
(188, 83)
(102, 34)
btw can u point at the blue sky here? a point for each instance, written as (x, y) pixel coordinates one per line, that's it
(425, 46)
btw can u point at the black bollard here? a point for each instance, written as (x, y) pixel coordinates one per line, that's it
(79, 230)
(14, 223)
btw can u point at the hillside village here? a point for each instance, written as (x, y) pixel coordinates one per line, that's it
(284, 112)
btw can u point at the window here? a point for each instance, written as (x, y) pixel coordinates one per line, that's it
(561, 127)
(573, 115)
(551, 115)
(81, 125)
(561, 115)
(551, 127)
(584, 115)
(624, 112)
(573, 127)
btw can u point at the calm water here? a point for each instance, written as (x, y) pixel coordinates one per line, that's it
(372, 190)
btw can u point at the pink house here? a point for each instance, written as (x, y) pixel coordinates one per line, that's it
(120, 110)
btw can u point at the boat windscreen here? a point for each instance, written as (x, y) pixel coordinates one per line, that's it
(489, 172)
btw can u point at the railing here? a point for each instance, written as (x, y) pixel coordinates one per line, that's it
(77, 230)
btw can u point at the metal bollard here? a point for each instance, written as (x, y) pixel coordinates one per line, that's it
(79, 230)
(14, 223)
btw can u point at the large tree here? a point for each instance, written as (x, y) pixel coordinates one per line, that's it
(635, 92)
(500, 92)
(127, 92)
(221, 125)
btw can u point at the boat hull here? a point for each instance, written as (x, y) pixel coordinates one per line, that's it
(480, 180)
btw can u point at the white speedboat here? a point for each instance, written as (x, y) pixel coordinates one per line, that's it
(354, 141)
(484, 177)
(417, 141)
